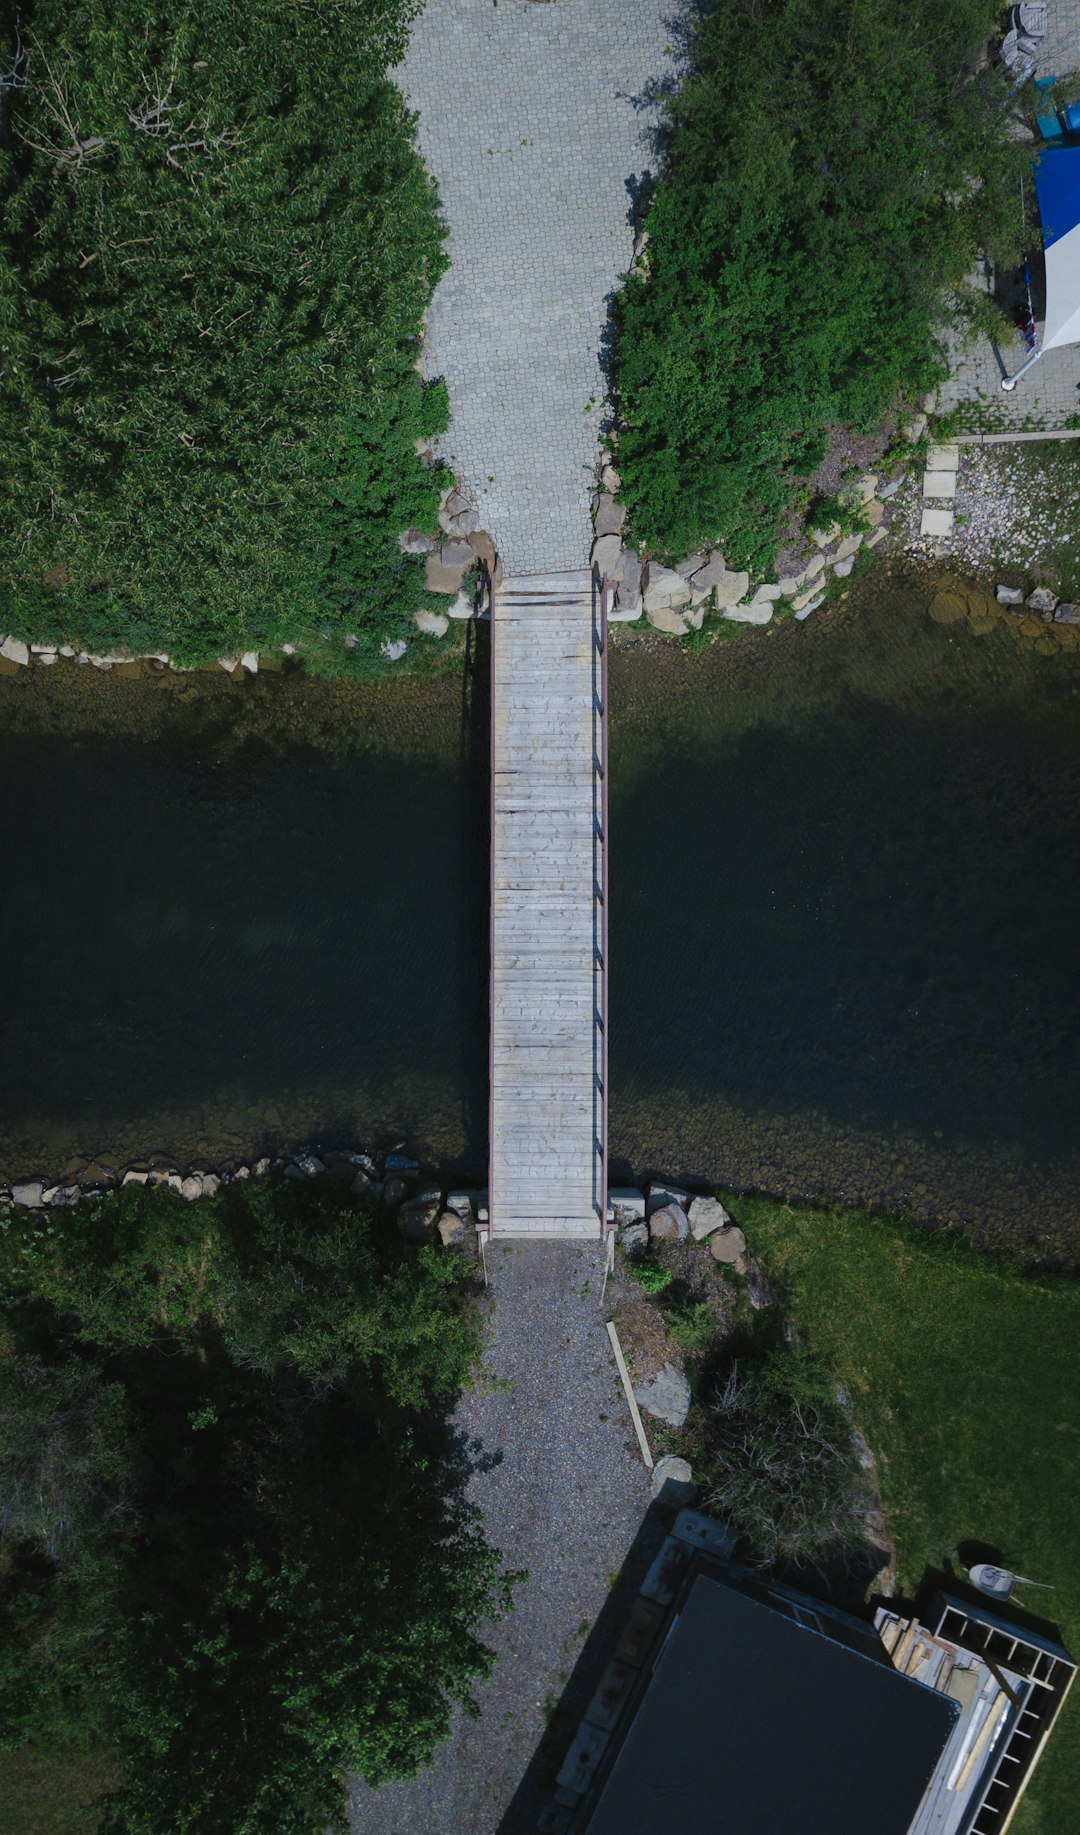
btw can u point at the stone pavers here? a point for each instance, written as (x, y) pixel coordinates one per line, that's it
(536, 122)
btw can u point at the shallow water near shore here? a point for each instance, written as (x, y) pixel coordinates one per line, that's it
(844, 885)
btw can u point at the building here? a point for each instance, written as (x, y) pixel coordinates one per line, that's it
(738, 1706)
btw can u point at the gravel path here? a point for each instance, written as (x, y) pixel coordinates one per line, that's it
(1015, 504)
(564, 1495)
(536, 121)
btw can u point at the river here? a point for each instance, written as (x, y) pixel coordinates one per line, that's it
(844, 885)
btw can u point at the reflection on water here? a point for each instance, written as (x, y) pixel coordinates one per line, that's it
(845, 883)
(238, 914)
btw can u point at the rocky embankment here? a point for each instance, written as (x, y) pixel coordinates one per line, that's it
(425, 1211)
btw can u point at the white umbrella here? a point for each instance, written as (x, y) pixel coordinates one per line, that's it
(1057, 184)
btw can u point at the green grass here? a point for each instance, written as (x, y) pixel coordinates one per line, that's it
(964, 1371)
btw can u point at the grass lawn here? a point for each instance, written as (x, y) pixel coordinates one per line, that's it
(964, 1372)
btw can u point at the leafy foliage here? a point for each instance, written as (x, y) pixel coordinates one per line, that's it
(256, 1570)
(782, 1467)
(833, 174)
(218, 246)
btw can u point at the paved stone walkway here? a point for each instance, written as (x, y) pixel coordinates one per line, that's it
(536, 122)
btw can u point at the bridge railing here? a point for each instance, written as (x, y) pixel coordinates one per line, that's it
(601, 597)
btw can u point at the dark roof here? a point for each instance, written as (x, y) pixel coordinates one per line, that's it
(753, 1724)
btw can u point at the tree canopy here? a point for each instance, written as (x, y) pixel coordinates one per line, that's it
(833, 173)
(234, 1545)
(218, 244)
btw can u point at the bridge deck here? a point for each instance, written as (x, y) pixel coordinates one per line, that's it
(548, 944)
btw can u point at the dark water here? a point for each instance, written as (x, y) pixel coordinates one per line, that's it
(845, 892)
(239, 914)
(845, 888)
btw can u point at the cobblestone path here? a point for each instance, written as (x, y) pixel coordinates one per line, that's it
(536, 120)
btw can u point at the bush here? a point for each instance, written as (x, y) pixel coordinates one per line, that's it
(780, 1464)
(236, 1548)
(218, 246)
(833, 173)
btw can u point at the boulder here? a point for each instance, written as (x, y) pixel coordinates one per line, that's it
(626, 609)
(667, 1396)
(768, 594)
(453, 1230)
(1066, 614)
(1042, 599)
(666, 618)
(464, 522)
(417, 1218)
(445, 576)
(461, 1203)
(627, 1202)
(660, 1194)
(432, 624)
(1009, 595)
(850, 545)
(628, 597)
(210, 1184)
(46, 657)
(464, 606)
(310, 1165)
(811, 570)
(863, 489)
(483, 547)
(456, 554)
(62, 1195)
(261, 1167)
(668, 1224)
(664, 588)
(789, 586)
(249, 662)
(606, 554)
(228, 663)
(750, 614)
(610, 479)
(706, 1215)
(673, 1482)
(732, 588)
(15, 650)
(692, 564)
(711, 573)
(759, 1289)
(402, 1163)
(28, 1192)
(634, 1238)
(395, 1192)
(727, 1245)
(890, 487)
(824, 538)
(874, 513)
(364, 1186)
(414, 541)
(191, 1187)
(695, 617)
(876, 535)
(610, 516)
(807, 604)
(393, 652)
(135, 1178)
(842, 568)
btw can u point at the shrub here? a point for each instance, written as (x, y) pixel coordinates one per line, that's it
(217, 249)
(833, 173)
(780, 1464)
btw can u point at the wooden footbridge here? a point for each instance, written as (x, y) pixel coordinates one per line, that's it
(548, 999)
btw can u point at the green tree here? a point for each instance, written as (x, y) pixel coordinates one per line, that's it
(833, 174)
(283, 1580)
(217, 248)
